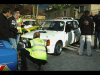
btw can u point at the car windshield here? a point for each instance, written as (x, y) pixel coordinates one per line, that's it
(33, 23)
(53, 25)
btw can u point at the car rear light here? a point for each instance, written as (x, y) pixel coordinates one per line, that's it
(18, 55)
(48, 42)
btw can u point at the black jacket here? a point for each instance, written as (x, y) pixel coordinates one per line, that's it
(13, 30)
(4, 28)
(86, 25)
(96, 19)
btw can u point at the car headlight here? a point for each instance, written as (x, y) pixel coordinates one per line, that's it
(25, 40)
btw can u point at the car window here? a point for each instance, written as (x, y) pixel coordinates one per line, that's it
(33, 23)
(75, 25)
(65, 18)
(53, 25)
(69, 26)
(70, 18)
(47, 24)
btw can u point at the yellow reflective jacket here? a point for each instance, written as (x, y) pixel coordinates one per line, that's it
(19, 20)
(38, 49)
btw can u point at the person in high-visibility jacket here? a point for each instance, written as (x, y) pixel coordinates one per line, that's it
(19, 23)
(19, 20)
(36, 51)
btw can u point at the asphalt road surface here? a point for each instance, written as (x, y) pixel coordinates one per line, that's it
(70, 61)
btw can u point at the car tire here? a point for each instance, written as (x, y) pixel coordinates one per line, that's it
(58, 48)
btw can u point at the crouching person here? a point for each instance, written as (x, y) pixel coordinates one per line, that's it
(36, 52)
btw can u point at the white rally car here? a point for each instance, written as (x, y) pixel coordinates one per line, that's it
(57, 33)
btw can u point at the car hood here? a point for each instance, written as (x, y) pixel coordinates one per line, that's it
(44, 34)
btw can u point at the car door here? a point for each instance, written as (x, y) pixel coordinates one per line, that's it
(69, 34)
(76, 31)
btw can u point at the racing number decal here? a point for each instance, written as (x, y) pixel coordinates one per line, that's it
(4, 68)
(1, 67)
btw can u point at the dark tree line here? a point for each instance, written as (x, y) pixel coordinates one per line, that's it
(24, 9)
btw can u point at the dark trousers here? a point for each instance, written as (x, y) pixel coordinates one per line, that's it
(97, 35)
(95, 38)
(25, 53)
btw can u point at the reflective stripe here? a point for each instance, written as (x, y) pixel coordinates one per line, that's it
(18, 26)
(39, 50)
(37, 44)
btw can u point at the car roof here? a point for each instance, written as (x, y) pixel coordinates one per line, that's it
(60, 20)
(29, 20)
(64, 17)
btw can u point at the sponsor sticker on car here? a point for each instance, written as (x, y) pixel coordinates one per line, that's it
(4, 68)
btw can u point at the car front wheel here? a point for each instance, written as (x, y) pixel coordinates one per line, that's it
(58, 48)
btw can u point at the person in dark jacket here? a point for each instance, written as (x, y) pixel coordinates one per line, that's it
(86, 26)
(96, 20)
(13, 29)
(85, 46)
(98, 27)
(97, 30)
(4, 25)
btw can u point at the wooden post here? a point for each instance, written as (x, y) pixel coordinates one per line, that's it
(33, 11)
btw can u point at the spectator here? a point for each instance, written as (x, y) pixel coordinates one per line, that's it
(13, 29)
(85, 46)
(97, 31)
(19, 23)
(96, 20)
(4, 25)
(86, 27)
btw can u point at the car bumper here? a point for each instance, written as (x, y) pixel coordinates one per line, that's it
(50, 49)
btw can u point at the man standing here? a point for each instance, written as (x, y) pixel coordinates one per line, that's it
(97, 30)
(86, 27)
(36, 51)
(97, 22)
(85, 46)
(19, 23)
(98, 33)
(13, 29)
(4, 25)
